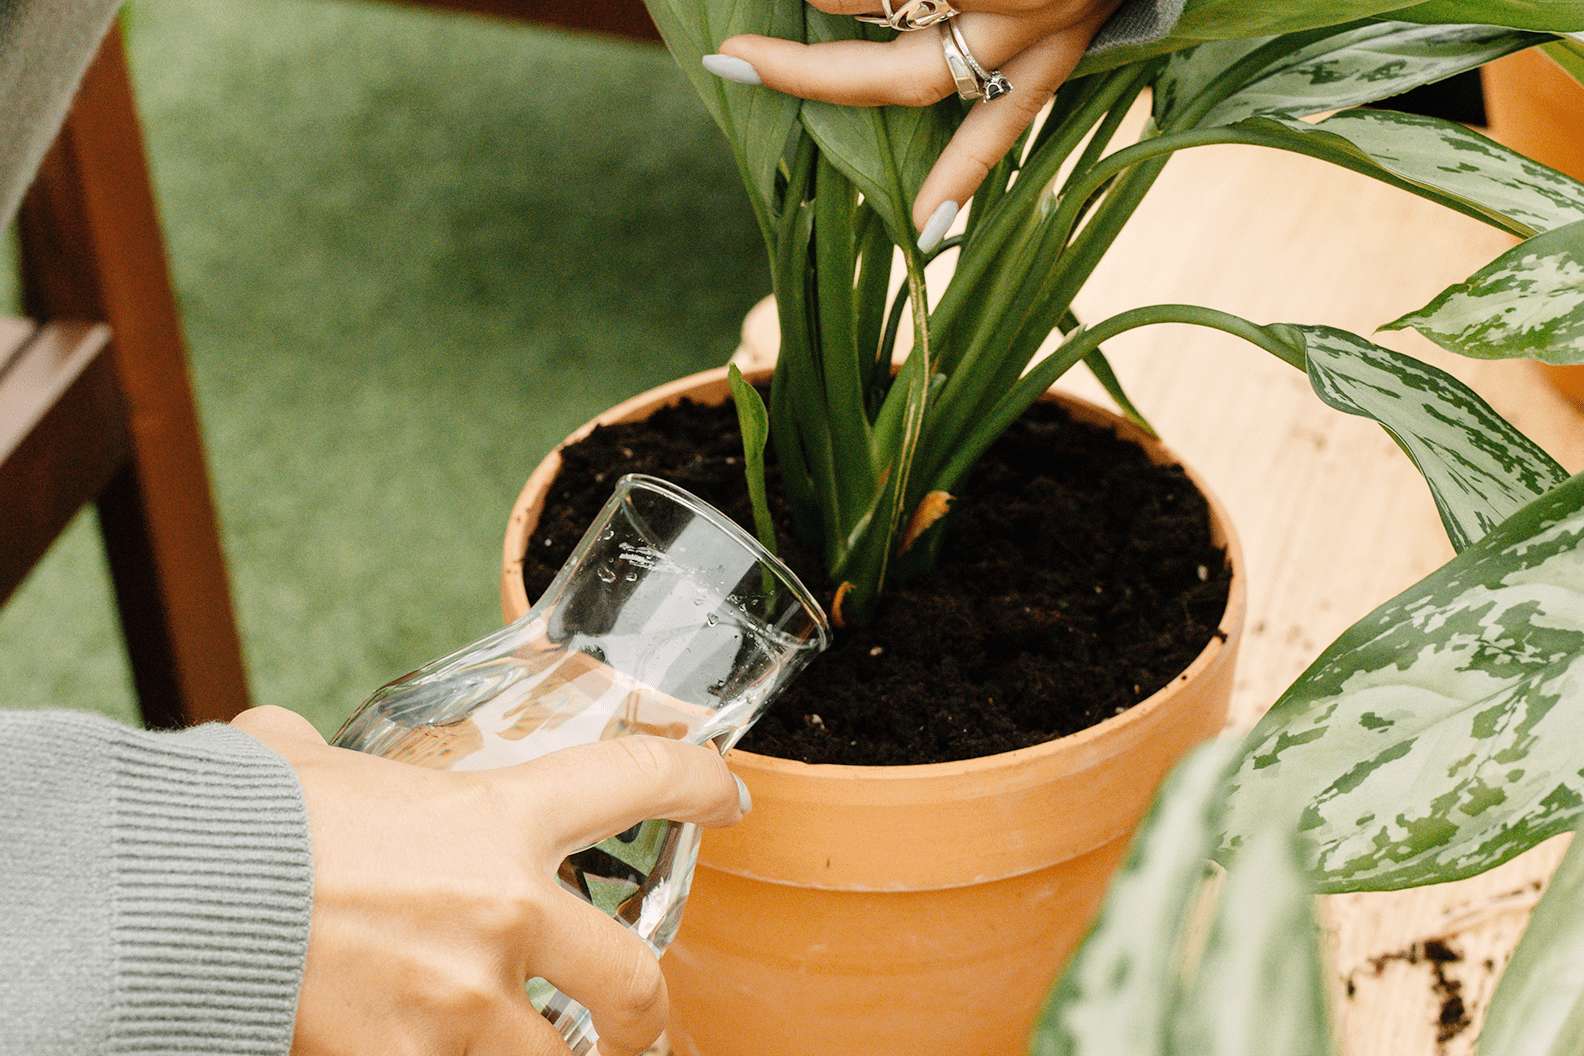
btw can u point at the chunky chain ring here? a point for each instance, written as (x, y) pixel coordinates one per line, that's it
(912, 15)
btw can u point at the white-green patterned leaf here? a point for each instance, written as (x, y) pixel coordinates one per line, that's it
(885, 151)
(1478, 466)
(1257, 988)
(1439, 736)
(1365, 65)
(1458, 161)
(1117, 994)
(1205, 21)
(756, 121)
(1528, 303)
(1179, 964)
(1538, 1009)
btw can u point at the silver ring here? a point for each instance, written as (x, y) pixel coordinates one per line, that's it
(912, 15)
(973, 80)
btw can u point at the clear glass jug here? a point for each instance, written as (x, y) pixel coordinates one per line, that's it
(668, 619)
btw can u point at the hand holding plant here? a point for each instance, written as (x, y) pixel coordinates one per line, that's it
(1035, 43)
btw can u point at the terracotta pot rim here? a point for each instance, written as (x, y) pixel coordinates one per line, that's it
(514, 599)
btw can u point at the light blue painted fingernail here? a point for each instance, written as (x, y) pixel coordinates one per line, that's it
(731, 68)
(935, 228)
(744, 800)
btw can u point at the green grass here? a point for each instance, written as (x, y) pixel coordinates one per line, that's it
(413, 250)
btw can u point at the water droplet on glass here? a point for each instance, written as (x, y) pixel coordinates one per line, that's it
(606, 574)
(712, 619)
(632, 577)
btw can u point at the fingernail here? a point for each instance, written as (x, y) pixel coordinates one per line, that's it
(744, 800)
(731, 68)
(939, 223)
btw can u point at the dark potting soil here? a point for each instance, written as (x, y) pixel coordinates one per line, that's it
(1077, 579)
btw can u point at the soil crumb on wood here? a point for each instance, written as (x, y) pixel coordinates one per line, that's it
(1438, 955)
(1077, 579)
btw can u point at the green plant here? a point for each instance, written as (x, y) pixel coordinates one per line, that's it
(1437, 737)
(1185, 962)
(869, 462)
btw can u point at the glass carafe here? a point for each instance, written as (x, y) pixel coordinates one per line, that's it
(668, 619)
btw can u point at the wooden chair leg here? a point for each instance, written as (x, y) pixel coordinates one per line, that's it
(92, 249)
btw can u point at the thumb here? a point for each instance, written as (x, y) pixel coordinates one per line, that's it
(278, 728)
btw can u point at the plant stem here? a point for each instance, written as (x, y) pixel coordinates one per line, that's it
(1072, 351)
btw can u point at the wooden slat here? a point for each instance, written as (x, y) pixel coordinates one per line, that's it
(623, 18)
(92, 249)
(1334, 519)
(14, 336)
(62, 438)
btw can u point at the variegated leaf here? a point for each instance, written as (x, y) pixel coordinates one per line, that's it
(1527, 303)
(1179, 964)
(1365, 65)
(1117, 994)
(1438, 737)
(1454, 159)
(1538, 1009)
(756, 122)
(1257, 987)
(1205, 21)
(1478, 466)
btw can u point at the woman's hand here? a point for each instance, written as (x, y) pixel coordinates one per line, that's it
(435, 896)
(1035, 43)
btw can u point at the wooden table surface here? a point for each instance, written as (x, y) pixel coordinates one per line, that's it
(1333, 517)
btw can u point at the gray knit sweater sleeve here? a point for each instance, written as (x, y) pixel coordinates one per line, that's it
(156, 890)
(1138, 22)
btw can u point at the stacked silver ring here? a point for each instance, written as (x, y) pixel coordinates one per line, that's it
(973, 80)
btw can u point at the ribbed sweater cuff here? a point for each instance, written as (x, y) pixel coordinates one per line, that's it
(212, 893)
(1138, 22)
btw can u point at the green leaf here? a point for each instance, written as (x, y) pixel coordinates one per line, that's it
(1362, 65)
(1178, 966)
(1478, 466)
(756, 122)
(1538, 1008)
(1457, 161)
(1569, 54)
(1116, 995)
(1555, 15)
(1527, 303)
(886, 151)
(1100, 367)
(1438, 736)
(754, 421)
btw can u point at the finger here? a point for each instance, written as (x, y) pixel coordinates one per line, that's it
(907, 71)
(605, 968)
(513, 1028)
(276, 725)
(991, 129)
(581, 795)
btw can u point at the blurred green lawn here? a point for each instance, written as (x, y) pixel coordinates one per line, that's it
(413, 250)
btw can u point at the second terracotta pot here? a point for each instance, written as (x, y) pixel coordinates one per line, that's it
(911, 910)
(1536, 108)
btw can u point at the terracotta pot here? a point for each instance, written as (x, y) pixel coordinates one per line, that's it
(910, 910)
(1534, 107)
